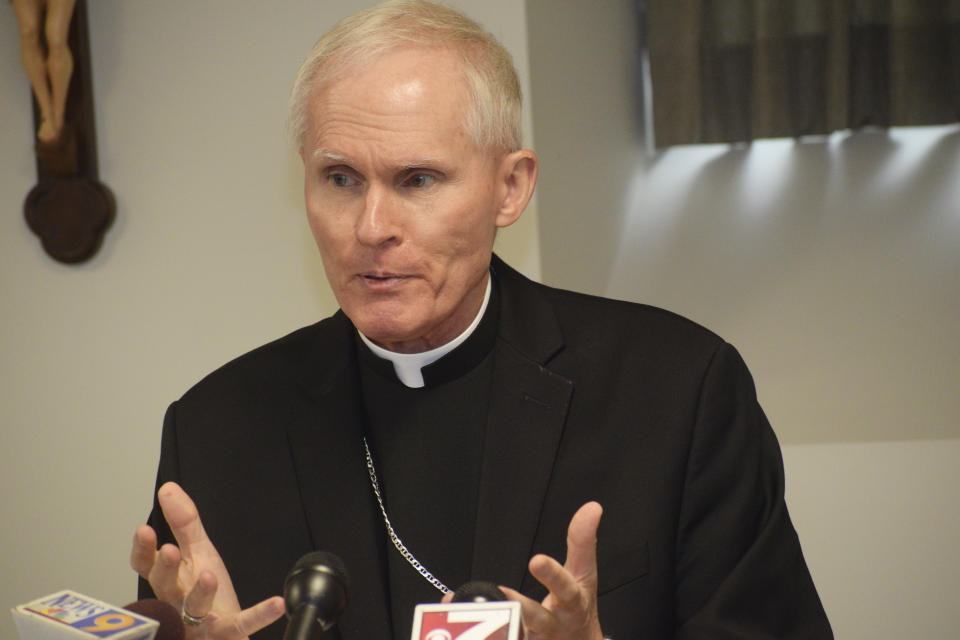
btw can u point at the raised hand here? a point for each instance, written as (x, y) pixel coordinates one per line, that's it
(569, 612)
(192, 576)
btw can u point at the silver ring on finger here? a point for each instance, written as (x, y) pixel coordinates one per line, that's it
(190, 620)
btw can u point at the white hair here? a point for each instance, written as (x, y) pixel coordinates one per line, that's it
(493, 117)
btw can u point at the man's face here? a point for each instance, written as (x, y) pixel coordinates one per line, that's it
(402, 204)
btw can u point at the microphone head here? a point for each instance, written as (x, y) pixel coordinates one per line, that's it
(320, 580)
(171, 625)
(479, 591)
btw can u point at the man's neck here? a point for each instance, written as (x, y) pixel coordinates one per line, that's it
(408, 366)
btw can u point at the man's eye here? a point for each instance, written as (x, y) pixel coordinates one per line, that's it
(341, 180)
(420, 180)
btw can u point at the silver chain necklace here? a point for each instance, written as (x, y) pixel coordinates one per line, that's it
(394, 538)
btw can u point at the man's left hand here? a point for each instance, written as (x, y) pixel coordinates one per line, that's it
(569, 612)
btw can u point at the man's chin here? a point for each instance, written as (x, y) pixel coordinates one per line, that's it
(386, 332)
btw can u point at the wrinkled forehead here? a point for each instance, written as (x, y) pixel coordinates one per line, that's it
(396, 78)
(351, 60)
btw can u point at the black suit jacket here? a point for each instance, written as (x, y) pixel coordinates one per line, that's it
(649, 414)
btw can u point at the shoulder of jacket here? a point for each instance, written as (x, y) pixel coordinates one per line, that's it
(284, 361)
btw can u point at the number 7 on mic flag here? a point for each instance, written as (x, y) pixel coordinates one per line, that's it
(468, 621)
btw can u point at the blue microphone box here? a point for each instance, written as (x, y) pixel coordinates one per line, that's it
(68, 615)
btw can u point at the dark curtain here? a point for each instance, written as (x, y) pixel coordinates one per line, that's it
(736, 70)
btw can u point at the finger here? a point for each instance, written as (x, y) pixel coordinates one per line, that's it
(164, 575)
(199, 601)
(535, 618)
(181, 514)
(143, 553)
(513, 594)
(561, 584)
(447, 598)
(582, 541)
(258, 616)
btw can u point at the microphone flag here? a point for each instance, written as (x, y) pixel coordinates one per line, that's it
(68, 615)
(468, 621)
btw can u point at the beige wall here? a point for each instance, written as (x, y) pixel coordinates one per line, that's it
(833, 266)
(879, 525)
(210, 256)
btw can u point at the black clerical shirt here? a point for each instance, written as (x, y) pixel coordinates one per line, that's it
(427, 446)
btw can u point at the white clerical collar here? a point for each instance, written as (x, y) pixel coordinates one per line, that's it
(409, 366)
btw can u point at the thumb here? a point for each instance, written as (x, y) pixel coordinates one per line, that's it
(582, 541)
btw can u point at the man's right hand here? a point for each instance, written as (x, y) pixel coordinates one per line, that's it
(192, 576)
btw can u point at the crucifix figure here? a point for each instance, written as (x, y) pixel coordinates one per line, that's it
(69, 209)
(49, 74)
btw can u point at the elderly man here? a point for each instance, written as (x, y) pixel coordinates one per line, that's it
(455, 421)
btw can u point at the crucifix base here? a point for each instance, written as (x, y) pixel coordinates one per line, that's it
(69, 209)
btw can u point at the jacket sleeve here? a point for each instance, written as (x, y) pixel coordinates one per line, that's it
(740, 570)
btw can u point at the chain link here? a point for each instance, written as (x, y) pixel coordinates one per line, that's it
(394, 538)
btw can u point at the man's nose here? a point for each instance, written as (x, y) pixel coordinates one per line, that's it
(379, 223)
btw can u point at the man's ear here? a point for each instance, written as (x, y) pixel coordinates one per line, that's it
(516, 179)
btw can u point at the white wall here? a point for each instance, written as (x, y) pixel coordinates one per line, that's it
(210, 256)
(834, 267)
(879, 526)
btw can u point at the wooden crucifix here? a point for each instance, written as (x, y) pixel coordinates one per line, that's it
(69, 209)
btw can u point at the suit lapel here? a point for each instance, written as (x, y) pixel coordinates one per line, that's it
(527, 411)
(327, 453)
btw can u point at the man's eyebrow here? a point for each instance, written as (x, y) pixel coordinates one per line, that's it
(326, 156)
(416, 165)
(330, 156)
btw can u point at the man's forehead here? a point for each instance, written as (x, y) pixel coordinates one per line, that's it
(414, 138)
(403, 159)
(407, 105)
(404, 72)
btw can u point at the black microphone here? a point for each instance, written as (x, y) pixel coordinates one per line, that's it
(315, 593)
(478, 591)
(171, 625)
